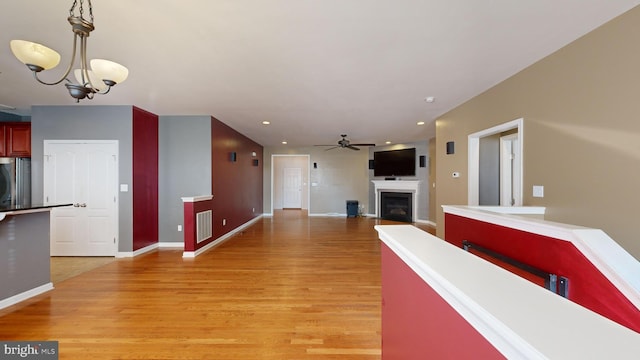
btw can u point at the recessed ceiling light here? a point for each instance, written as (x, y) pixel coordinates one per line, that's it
(284, 143)
(420, 122)
(266, 122)
(387, 142)
(429, 99)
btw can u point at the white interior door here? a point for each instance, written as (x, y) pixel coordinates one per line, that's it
(292, 191)
(85, 175)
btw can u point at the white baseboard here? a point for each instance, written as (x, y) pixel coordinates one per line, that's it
(220, 240)
(25, 295)
(173, 244)
(428, 222)
(329, 215)
(146, 249)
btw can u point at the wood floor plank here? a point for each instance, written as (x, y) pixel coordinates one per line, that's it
(289, 287)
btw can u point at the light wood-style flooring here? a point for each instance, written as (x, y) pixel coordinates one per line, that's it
(289, 287)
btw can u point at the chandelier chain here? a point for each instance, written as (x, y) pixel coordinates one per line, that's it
(81, 9)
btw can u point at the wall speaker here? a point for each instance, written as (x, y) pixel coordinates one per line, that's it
(232, 156)
(423, 160)
(255, 162)
(450, 148)
(315, 165)
(371, 165)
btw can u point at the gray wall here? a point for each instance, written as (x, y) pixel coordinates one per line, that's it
(87, 123)
(184, 169)
(341, 175)
(422, 174)
(24, 253)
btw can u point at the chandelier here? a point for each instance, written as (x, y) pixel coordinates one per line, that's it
(98, 79)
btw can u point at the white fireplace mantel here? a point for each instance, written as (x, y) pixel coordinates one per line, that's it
(404, 186)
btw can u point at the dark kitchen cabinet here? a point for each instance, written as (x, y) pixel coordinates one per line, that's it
(15, 139)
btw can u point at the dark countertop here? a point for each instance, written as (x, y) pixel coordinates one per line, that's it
(24, 207)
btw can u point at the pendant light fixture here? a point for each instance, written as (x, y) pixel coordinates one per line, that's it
(98, 79)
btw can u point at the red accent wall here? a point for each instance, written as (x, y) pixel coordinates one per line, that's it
(418, 324)
(145, 178)
(587, 285)
(236, 186)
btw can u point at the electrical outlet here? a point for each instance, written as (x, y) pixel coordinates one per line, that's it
(179, 227)
(224, 222)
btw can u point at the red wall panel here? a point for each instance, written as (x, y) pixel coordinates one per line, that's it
(236, 185)
(191, 209)
(145, 178)
(587, 285)
(418, 324)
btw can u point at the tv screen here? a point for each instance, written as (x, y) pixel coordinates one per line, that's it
(395, 162)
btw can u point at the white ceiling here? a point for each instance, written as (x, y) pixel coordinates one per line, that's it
(314, 68)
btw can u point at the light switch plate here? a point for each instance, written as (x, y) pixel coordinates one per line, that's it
(538, 191)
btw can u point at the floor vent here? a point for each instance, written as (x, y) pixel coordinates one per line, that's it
(204, 222)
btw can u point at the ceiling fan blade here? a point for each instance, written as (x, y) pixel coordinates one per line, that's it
(363, 144)
(331, 148)
(352, 147)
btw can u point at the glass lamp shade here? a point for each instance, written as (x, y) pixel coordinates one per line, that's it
(30, 53)
(109, 70)
(95, 81)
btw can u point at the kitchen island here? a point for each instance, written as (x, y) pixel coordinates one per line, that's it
(24, 252)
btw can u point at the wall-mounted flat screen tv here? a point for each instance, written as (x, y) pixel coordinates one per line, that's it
(395, 162)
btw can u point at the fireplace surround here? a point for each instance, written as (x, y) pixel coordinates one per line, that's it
(397, 186)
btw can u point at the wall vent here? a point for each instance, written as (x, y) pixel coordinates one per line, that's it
(204, 221)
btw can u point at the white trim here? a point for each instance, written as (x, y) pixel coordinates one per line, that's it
(197, 198)
(171, 244)
(615, 263)
(25, 295)
(327, 215)
(427, 222)
(473, 165)
(146, 249)
(220, 240)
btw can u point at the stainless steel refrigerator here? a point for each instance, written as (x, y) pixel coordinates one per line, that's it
(15, 181)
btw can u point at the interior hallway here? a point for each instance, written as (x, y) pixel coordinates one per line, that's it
(289, 287)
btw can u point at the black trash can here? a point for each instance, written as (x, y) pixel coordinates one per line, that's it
(352, 208)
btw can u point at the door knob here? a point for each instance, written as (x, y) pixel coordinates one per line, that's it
(76, 205)
(83, 205)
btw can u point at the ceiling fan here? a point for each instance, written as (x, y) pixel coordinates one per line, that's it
(344, 143)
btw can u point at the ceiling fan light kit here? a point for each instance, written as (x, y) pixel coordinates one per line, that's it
(98, 79)
(346, 144)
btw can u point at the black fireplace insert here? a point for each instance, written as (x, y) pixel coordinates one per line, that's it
(396, 206)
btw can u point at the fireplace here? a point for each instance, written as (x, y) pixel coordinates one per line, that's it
(396, 206)
(410, 188)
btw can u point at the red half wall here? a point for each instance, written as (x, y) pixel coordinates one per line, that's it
(145, 178)
(419, 324)
(236, 178)
(587, 285)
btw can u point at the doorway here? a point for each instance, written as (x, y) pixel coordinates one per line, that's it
(509, 175)
(83, 173)
(289, 182)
